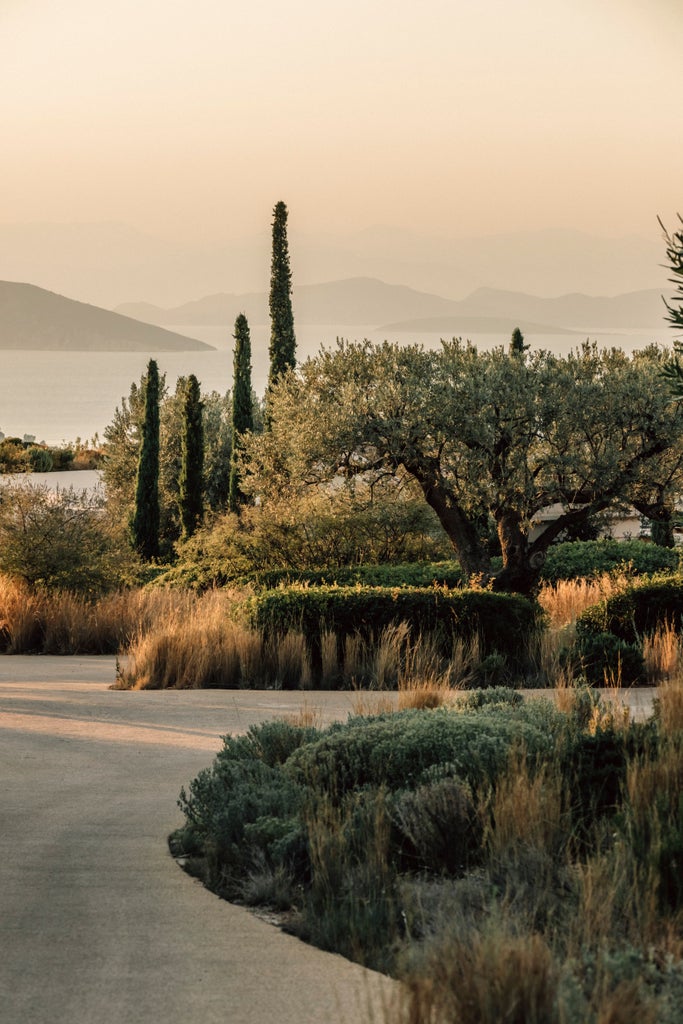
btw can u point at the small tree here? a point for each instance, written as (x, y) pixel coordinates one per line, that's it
(191, 479)
(58, 539)
(145, 522)
(282, 339)
(242, 406)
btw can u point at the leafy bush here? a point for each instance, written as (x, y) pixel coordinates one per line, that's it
(592, 558)
(503, 623)
(419, 841)
(604, 659)
(636, 611)
(220, 805)
(271, 742)
(397, 750)
(58, 539)
(438, 825)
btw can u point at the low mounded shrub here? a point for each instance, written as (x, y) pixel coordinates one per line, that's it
(500, 859)
(397, 750)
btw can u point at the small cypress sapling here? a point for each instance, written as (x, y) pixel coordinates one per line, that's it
(242, 407)
(145, 521)
(191, 480)
(517, 346)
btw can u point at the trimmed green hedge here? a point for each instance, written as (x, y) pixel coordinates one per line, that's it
(204, 575)
(409, 574)
(504, 622)
(636, 611)
(593, 557)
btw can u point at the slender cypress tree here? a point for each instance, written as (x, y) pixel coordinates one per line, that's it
(145, 522)
(282, 340)
(191, 479)
(242, 407)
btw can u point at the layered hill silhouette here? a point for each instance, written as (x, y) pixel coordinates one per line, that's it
(33, 318)
(111, 263)
(368, 301)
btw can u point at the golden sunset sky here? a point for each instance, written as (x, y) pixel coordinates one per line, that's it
(190, 118)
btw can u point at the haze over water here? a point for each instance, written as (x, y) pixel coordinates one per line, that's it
(74, 394)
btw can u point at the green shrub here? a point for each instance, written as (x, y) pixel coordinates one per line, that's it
(438, 826)
(219, 805)
(494, 695)
(636, 611)
(594, 763)
(594, 557)
(270, 742)
(40, 458)
(605, 659)
(397, 750)
(504, 623)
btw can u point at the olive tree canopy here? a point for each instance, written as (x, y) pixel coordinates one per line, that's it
(487, 436)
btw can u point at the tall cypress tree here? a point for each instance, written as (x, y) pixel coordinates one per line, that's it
(282, 340)
(145, 522)
(242, 407)
(191, 479)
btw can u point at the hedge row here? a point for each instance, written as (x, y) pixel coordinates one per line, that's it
(591, 558)
(411, 574)
(564, 561)
(504, 623)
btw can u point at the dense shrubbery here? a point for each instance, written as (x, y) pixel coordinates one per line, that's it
(502, 622)
(415, 842)
(205, 564)
(592, 558)
(59, 539)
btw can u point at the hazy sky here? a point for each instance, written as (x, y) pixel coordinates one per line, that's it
(191, 118)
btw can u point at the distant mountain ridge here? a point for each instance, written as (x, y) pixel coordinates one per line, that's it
(110, 263)
(34, 318)
(369, 301)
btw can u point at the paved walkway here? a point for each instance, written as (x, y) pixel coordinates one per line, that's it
(98, 925)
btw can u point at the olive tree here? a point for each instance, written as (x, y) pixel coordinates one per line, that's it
(487, 437)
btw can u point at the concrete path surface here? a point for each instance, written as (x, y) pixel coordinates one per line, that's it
(98, 925)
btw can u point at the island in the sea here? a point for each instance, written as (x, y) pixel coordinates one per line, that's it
(34, 318)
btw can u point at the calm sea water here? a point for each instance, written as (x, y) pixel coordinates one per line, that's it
(62, 396)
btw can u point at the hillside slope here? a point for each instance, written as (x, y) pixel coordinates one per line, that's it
(33, 318)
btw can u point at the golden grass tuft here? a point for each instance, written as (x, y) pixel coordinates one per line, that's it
(565, 600)
(487, 979)
(670, 705)
(663, 654)
(524, 808)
